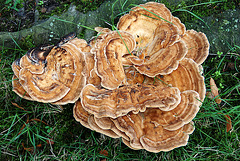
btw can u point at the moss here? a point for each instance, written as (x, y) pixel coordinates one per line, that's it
(62, 6)
(206, 9)
(26, 43)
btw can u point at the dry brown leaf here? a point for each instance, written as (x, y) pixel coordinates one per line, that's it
(50, 141)
(104, 152)
(14, 104)
(31, 148)
(214, 91)
(229, 123)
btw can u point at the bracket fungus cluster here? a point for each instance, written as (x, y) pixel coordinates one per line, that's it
(142, 82)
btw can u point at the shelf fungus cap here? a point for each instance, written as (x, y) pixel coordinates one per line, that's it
(142, 21)
(163, 61)
(108, 57)
(106, 123)
(150, 130)
(52, 74)
(161, 139)
(102, 125)
(163, 52)
(95, 127)
(197, 44)
(120, 101)
(72, 73)
(19, 90)
(35, 59)
(179, 116)
(17, 87)
(80, 114)
(90, 73)
(186, 77)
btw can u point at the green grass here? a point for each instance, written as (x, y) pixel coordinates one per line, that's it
(72, 141)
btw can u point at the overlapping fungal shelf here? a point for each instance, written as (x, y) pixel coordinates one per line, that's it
(141, 83)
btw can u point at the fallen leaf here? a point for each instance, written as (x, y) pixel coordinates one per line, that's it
(31, 148)
(104, 152)
(229, 123)
(50, 141)
(214, 91)
(14, 104)
(104, 159)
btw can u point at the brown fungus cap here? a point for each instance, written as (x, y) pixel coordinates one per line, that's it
(165, 35)
(197, 44)
(52, 76)
(90, 72)
(102, 125)
(16, 67)
(186, 77)
(80, 114)
(108, 57)
(106, 123)
(181, 27)
(158, 47)
(95, 127)
(179, 116)
(34, 59)
(143, 80)
(142, 21)
(34, 68)
(133, 76)
(17, 87)
(118, 102)
(101, 32)
(145, 132)
(159, 123)
(164, 61)
(19, 90)
(73, 77)
(160, 139)
(176, 139)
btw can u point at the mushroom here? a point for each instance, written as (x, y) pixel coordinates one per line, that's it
(102, 125)
(157, 130)
(186, 77)
(166, 140)
(101, 32)
(161, 139)
(106, 123)
(52, 74)
(197, 44)
(72, 73)
(95, 127)
(142, 83)
(142, 21)
(91, 75)
(80, 114)
(108, 57)
(18, 88)
(118, 102)
(181, 27)
(159, 48)
(133, 76)
(164, 61)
